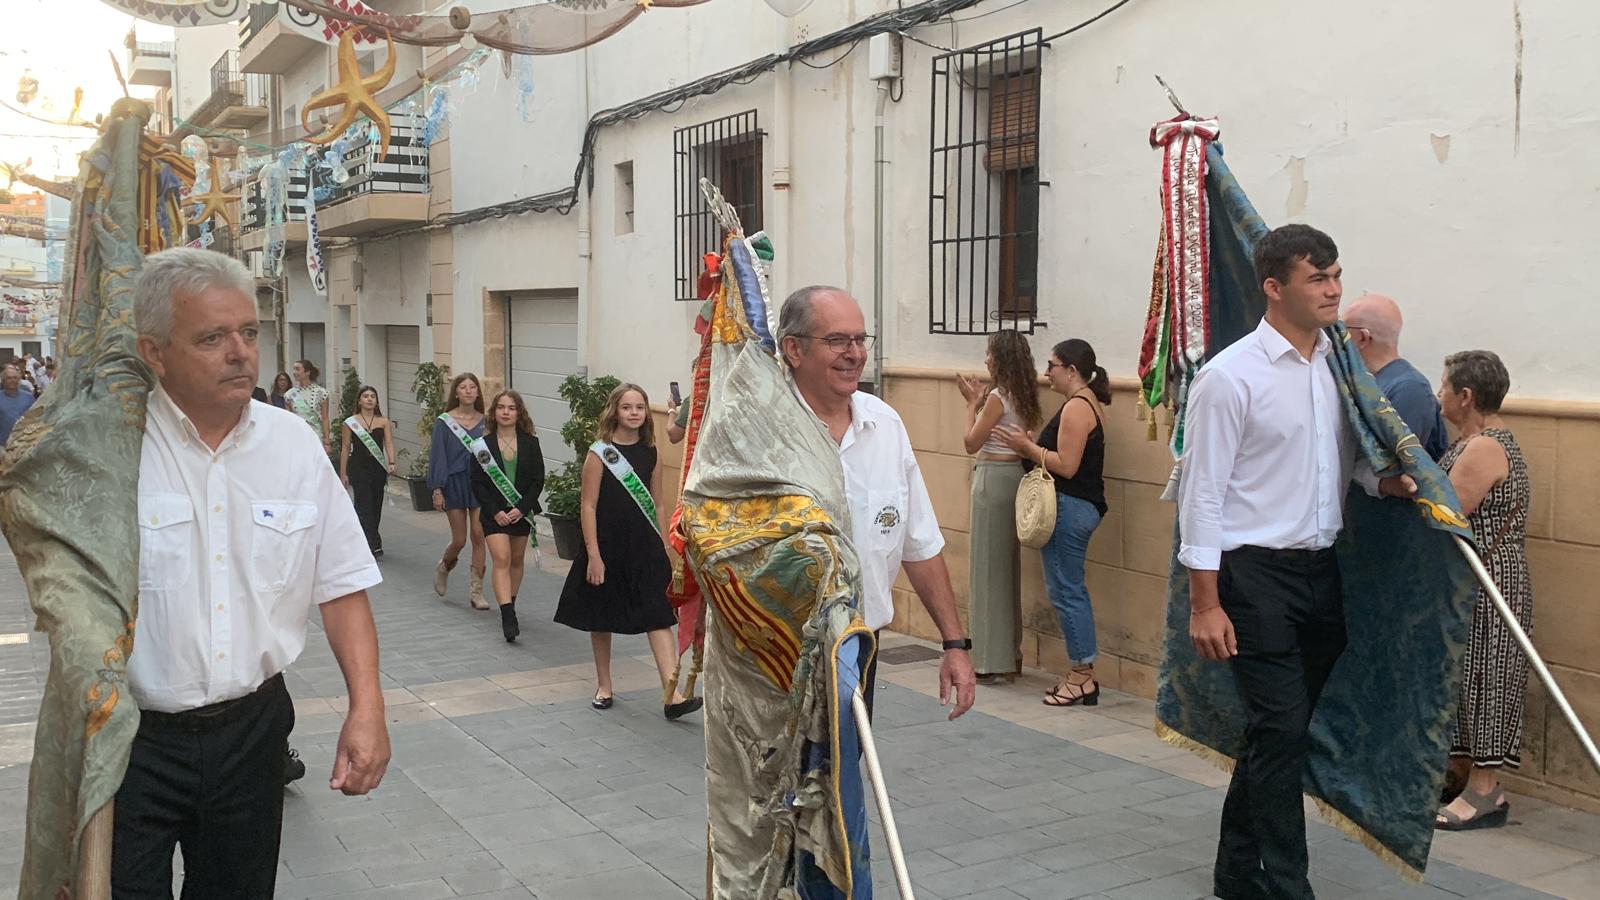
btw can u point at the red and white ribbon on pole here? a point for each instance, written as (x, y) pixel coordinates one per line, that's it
(1186, 225)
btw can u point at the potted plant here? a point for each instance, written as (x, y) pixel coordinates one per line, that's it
(429, 388)
(349, 393)
(586, 399)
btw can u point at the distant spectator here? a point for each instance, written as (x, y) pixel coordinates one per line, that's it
(1491, 479)
(48, 375)
(1374, 322)
(13, 401)
(280, 390)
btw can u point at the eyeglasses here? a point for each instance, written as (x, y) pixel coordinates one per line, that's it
(1051, 365)
(1365, 331)
(839, 343)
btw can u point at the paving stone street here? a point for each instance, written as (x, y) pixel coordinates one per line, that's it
(505, 784)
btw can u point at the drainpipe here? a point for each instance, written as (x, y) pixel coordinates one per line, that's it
(585, 254)
(880, 164)
(778, 223)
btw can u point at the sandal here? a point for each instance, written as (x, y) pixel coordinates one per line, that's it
(1081, 697)
(600, 702)
(1489, 811)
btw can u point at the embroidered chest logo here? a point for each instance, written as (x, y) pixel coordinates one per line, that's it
(887, 519)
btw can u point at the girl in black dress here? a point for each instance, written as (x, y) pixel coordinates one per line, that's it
(363, 473)
(506, 526)
(618, 583)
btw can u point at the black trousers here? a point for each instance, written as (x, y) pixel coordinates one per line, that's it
(210, 782)
(367, 490)
(1287, 608)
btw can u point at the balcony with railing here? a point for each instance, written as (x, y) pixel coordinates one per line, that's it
(238, 100)
(253, 214)
(149, 62)
(269, 42)
(382, 193)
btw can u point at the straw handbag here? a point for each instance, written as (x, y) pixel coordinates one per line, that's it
(1036, 507)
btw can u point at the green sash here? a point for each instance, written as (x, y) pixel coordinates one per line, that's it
(479, 448)
(367, 441)
(620, 467)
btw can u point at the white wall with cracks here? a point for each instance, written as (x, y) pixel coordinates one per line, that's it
(1447, 146)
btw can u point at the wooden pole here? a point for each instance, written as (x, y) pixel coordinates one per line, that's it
(94, 856)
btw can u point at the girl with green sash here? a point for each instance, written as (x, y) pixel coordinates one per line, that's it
(309, 400)
(366, 460)
(450, 466)
(618, 583)
(507, 477)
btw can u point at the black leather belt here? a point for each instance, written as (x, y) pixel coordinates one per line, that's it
(216, 715)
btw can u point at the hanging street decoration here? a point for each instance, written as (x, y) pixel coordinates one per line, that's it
(355, 93)
(214, 202)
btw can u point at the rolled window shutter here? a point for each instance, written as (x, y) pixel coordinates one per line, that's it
(1013, 121)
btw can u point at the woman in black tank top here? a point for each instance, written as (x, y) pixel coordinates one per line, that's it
(1072, 447)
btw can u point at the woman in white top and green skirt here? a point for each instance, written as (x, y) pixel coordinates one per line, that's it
(1011, 397)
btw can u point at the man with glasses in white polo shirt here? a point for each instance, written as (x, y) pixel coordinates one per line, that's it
(822, 338)
(244, 529)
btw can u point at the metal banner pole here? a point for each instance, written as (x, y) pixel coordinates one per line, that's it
(880, 792)
(1539, 667)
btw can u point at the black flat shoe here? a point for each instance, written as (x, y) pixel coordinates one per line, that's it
(509, 626)
(602, 702)
(293, 768)
(679, 710)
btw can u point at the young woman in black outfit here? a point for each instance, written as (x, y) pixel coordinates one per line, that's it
(1072, 447)
(507, 526)
(362, 472)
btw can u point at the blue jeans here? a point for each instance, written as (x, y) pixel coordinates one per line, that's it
(1063, 556)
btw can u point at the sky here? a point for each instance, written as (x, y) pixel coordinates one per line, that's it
(64, 44)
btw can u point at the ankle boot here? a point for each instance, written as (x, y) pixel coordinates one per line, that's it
(509, 626)
(476, 589)
(441, 577)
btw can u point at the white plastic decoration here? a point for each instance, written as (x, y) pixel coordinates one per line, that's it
(788, 7)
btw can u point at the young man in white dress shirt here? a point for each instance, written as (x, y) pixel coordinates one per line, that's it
(1268, 459)
(822, 336)
(243, 528)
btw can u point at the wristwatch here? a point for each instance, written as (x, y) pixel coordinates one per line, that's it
(959, 644)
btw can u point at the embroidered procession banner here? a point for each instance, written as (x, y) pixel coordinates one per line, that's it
(1382, 729)
(767, 535)
(74, 459)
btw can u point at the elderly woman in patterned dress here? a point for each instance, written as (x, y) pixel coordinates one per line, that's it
(1491, 479)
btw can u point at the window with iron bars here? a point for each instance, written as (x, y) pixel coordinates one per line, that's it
(726, 151)
(983, 188)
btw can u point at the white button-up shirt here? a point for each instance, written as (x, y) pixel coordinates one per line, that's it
(1268, 453)
(235, 547)
(891, 517)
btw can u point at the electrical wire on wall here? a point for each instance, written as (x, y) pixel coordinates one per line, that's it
(895, 21)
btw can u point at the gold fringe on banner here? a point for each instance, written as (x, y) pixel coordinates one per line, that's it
(1335, 818)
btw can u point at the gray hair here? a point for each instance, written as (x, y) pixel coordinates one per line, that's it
(1481, 372)
(182, 270)
(796, 318)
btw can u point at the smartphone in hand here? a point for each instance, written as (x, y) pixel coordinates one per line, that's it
(677, 397)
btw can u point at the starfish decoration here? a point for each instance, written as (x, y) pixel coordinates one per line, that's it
(214, 201)
(356, 93)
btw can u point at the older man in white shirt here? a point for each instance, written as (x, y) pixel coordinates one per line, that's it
(243, 528)
(1269, 457)
(822, 337)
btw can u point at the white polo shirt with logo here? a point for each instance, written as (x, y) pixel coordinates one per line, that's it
(891, 517)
